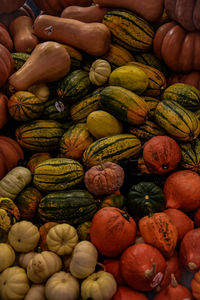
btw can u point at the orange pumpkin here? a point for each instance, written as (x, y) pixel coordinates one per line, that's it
(113, 266)
(195, 285)
(5, 38)
(4, 115)
(126, 293)
(192, 78)
(6, 64)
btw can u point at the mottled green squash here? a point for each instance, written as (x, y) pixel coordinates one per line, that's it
(114, 200)
(83, 231)
(190, 155)
(55, 109)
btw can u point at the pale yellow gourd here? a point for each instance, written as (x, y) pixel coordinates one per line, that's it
(84, 260)
(23, 236)
(40, 90)
(62, 286)
(62, 238)
(7, 256)
(99, 72)
(14, 182)
(14, 284)
(36, 292)
(99, 286)
(24, 258)
(43, 265)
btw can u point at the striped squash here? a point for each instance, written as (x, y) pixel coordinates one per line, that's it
(25, 106)
(36, 159)
(157, 81)
(56, 174)
(129, 30)
(118, 56)
(184, 94)
(83, 108)
(124, 105)
(74, 142)
(179, 122)
(19, 59)
(40, 135)
(152, 104)
(190, 158)
(75, 56)
(113, 148)
(72, 207)
(55, 109)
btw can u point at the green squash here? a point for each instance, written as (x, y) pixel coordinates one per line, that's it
(114, 200)
(83, 231)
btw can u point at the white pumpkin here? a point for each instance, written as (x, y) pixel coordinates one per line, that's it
(36, 292)
(62, 286)
(14, 284)
(99, 286)
(99, 72)
(23, 236)
(43, 265)
(62, 238)
(40, 90)
(84, 260)
(7, 256)
(24, 258)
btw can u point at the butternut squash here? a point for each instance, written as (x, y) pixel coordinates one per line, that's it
(94, 13)
(37, 68)
(93, 38)
(21, 30)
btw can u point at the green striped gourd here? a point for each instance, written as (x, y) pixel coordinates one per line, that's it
(75, 56)
(56, 174)
(113, 148)
(184, 94)
(72, 207)
(129, 30)
(124, 105)
(197, 113)
(83, 108)
(55, 109)
(190, 152)
(152, 104)
(74, 86)
(19, 59)
(180, 123)
(40, 135)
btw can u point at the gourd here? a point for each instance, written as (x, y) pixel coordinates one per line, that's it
(24, 10)
(23, 236)
(124, 292)
(4, 110)
(14, 182)
(7, 256)
(37, 158)
(99, 72)
(24, 258)
(43, 230)
(14, 284)
(40, 90)
(36, 291)
(99, 285)
(5, 38)
(61, 239)
(62, 285)
(112, 266)
(192, 78)
(43, 265)
(6, 64)
(37, 69)
(83, 231)
(83, 260)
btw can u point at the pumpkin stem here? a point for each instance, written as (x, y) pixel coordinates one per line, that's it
(174, 282)
(192, 266)
(149, 273)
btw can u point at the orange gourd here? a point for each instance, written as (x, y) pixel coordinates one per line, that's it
(113, 266)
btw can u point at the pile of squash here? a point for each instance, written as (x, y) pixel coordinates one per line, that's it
(99, 150)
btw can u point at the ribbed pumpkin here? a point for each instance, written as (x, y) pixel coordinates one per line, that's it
(192, 78)
(6, 64)
(190, 155)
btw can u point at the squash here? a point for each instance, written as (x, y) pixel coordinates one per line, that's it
(40, 90)
(116, 200)
(36, 291)
(7, 256)
(6, 64)
(43, 230)
(75, 56)
(14, 284)
(7, 219)
(190, 155)
(23, 236)
(117, 55)
(21, 30)
(99, 285)
(191, 78)
(24, 258)
(10, 5)
(3, 110)
(55, 109)
(62, 239)
(83, 260)
(43, 265)
(37, 158)
(99, 72)
(62, 285)
(37, 70)
(5, 38)
(8, 205)
(19, 59)
(195, 285)
(83, 231)
(124, 292)
(112, 266)
(52, 28)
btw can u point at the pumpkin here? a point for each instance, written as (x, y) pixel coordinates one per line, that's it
(192, 78)
(189, 250)
(103, 233)
(43, 230)
(6, 64)
(195, 285)
(14, 284)
(161, 154)
(83, 260)
(159, 231)
(36, 291)
(5, 38)
(24, 258)
(43, 265)
(61, 239)
(83, 230)
(99, 285)
(104, 179)
(10, 5)
(182, 190)
(112, 266)
(62, 285)
(23, 236)
(99, 72)
(124, 292)
(7, 256)
(4, 110)
(142, 266)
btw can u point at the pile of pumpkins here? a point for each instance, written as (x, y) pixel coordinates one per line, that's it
(87, 88)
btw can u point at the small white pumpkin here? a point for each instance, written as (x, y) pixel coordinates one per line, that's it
(36, 292)
(23, 236)
(99, 72)
(84, 260)
(24, 258)
(14, 182)
(99, 286)
(62, 286)
(43, 265)
(7, 256)
(40, 90)
(14, 284)
(62, 238)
